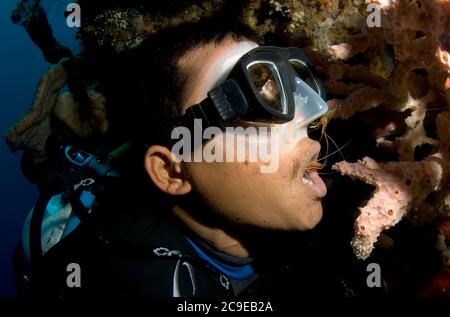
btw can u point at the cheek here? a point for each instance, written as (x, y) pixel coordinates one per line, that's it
(243, 194)
(237, 191)
(222, 185)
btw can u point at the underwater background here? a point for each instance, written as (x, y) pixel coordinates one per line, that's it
(413, 265)
(21, 67)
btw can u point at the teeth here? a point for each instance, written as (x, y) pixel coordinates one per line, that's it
(307, 181)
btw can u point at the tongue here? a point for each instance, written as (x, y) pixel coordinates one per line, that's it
(318, 186)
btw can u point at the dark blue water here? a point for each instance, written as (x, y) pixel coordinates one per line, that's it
(21, 67)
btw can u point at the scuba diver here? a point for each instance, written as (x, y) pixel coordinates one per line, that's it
(138, 218)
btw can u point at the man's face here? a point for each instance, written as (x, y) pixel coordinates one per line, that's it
(239, 191)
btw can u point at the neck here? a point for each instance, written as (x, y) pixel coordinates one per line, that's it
(216, 237)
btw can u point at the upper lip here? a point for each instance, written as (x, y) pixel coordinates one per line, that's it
(313, 164)
(313, 158)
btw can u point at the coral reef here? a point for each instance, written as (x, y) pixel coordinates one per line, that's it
(316, 24)
(416, 32)
(122, 28)
(33, 129)
(400, 186)
(31, 132)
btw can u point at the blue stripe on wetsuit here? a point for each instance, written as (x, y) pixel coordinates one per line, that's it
(237, 273)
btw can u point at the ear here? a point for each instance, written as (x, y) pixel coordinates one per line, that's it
(165, 172)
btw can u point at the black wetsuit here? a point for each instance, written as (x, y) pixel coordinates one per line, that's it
(125, 249)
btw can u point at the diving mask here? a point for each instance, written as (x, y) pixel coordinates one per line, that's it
(269, 87)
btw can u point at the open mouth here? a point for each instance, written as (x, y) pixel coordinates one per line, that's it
(312, 179)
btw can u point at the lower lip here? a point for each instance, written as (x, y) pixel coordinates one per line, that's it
(318, 186)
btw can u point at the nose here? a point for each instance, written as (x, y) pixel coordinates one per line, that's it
(310, 144)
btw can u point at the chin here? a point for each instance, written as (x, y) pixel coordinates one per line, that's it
(318, 215)
(312, 217)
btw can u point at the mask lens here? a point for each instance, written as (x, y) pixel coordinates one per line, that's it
(304, 74)
(267, 82)
(308, 104)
